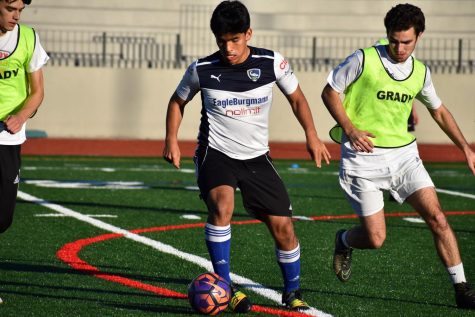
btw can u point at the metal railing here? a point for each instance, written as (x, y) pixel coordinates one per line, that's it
(101, 49)
(168, 50)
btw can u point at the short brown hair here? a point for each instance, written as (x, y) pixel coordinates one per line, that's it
(404, 16)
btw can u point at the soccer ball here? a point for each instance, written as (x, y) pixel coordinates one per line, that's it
(209, 294)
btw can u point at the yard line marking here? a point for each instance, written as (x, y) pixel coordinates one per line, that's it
(165, 248)
(62, 215)
(414, 219)
(454, 193)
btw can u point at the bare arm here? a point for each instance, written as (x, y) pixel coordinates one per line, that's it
(359, 139)
(15, 122)
(415, 115)
(302, 112)
(447, 123)
(175, 111)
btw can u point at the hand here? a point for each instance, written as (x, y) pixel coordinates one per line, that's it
(470, 157)
(317, 150)
(360, 140)
(171, 153)
(14, 123)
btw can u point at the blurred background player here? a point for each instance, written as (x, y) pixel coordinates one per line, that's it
(236, 91)
(378, 153)
(21, 93)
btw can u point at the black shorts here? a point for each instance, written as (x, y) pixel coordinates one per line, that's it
(262, 189)
(10, 161)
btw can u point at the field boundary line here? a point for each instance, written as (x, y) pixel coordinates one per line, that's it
(247, 283)
(454, 193)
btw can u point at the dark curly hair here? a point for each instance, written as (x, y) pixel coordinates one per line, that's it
(404, 16)
(24, 1)
(230, 17)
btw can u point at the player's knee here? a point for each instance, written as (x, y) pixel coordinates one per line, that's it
(284, 235)
(438, 222)
(376, 239)
(220, 214)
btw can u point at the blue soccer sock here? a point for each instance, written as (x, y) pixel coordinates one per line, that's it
(289, 263)
(218, 241)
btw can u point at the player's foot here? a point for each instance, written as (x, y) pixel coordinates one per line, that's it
(342, 258)
(239, 302)
(464, 296)
(293, 301)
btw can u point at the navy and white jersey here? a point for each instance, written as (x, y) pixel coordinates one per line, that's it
(236, 100)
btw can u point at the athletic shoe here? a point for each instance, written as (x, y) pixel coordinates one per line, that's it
(293, 301)
(464, 296)
(239, 302)
(342, 258)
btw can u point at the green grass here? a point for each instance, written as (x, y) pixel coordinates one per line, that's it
(404, 278)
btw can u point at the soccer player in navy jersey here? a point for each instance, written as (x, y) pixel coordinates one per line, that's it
(236, 92)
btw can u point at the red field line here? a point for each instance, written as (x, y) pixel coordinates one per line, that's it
(69, 254)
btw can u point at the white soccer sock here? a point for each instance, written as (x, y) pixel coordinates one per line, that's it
(457, 274)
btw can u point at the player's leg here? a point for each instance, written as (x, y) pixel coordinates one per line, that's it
(370, 234)
(287, 249)
(362, 189)
(217, 182)
(416, 187)
(10, 161)
(265, 196)
(427, 204)
(8, 194)
(9, 179)
(220, 203)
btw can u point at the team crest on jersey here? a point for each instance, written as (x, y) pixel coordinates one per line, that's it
(254, 74)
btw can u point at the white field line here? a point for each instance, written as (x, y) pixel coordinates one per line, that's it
(454, 193)
(62, 215)
(245, 282)
(160, 169)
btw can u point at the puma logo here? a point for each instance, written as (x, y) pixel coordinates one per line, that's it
(216, 77)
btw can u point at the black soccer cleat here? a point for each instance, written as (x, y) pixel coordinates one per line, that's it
(293, 300)
(342, 258)
(464, 296)
(239, 302)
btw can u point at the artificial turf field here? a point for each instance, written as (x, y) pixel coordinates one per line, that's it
(98, 236)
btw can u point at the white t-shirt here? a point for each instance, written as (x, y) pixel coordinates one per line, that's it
(8, 43)
(347, 72)
(236, 100)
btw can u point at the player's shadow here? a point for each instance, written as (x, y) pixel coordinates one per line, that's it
(117, 207)
(12, 288)
(154, 308)
(107, 270)
(96, 300)
(381, 298)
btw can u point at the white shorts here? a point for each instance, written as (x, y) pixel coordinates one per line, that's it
(401, 175)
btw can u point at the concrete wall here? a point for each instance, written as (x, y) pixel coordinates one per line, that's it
(316, 17)
(120, 103)
(129, 103)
